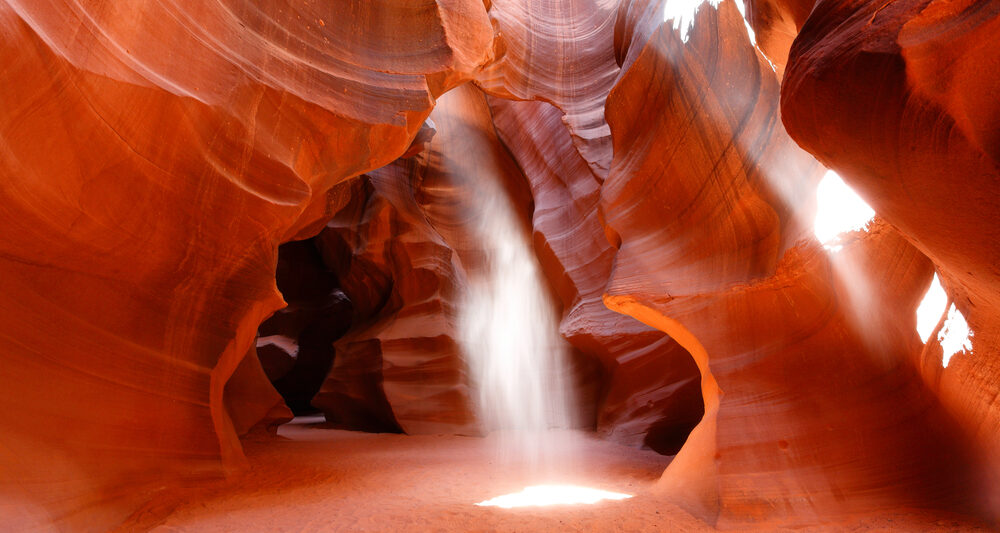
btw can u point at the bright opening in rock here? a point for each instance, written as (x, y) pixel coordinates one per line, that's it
(931, 307)
(839, 210)
(542, 495)
(955, 335)
(682, 13)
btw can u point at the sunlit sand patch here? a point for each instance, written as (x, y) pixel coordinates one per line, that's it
(543, 495)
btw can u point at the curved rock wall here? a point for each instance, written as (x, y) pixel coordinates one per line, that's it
(808, 360)
(923, 71)
(295, 345)
(561, 56)
(560, 52)
(154, 156)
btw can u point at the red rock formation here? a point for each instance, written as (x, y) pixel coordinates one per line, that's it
(559, 52)
(401, 368)
(154, 155)
(250, 400)
(422, 212)
(926, 72)
(814, 410)
(823, 417)
(563, 53)
(775, 24)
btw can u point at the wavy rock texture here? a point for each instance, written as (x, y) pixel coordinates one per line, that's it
(775, 24)
(352, 246)
(652, 394)
(560, 52)
(154, 156)
(814, 408)
(401, 369)
(937, 176)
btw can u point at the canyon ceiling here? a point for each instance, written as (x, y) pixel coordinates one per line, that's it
(156, 155)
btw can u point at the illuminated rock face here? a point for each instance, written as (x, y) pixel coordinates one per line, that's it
(926, 72)
(404, 247)
(155, 155)
(399, 368)
(410, 251)
(809, 362)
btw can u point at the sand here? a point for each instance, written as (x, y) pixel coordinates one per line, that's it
(313, 479)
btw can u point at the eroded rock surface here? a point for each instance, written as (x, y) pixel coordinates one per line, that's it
(808, 360)
(154, 156)
(295, 345)
(936, 176)
(412, 247)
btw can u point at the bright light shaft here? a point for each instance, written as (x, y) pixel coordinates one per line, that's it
(839, 210)
(510, 336)
(542, 495)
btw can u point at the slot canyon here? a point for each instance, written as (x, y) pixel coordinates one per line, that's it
(499, 265)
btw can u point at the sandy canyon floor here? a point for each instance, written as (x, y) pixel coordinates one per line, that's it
(313, 479)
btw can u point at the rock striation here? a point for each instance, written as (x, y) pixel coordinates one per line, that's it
(651, 394)
(936, 177)
(218, 215)
(808, 360)
(154, 156)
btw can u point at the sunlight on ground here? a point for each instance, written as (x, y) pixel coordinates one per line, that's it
(839, 210)
(955, 336)
(540, 495)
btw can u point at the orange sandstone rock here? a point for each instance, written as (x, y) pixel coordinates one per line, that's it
(415, 237)
(901, 100)
(814, 408)
(560, 52)
(154, 156)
